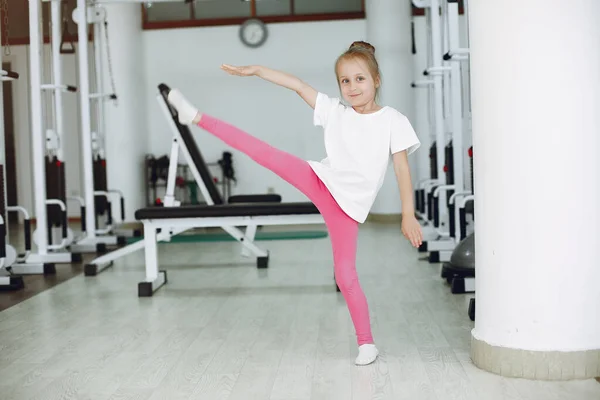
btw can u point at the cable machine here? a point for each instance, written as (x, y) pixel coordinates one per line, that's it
(52, 235)
(440, 197)
(96, 192)
(96, 195)
(10, 280)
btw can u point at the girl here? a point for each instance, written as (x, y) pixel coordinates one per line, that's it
(359, 139)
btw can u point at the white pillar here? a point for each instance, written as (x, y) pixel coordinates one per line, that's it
(536, 121)
(389, 30)
(126, 128)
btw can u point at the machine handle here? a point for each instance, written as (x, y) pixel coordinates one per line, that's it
(11, 74)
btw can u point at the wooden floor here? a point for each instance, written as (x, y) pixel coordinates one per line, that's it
(221, 329)
(35, 284)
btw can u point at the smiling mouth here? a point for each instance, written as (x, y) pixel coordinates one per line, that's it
(355, 95)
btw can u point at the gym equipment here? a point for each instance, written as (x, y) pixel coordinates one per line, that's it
(434, 86)
(454, 247)
(227, 173)
(156, 174)
(8, 255)
(12, 264)
(162, 223)
(471, 310)
(460, 270)
(52, 235)
(98, 197)
(437, 197)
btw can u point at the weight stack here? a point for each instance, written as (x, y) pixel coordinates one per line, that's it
(449, 166)
(3, 213)
(100, 184)
(2, 195)
(472, 181)
(449, 170)
(471, 161)
(449, 163)
(56, 188)
(433, 161)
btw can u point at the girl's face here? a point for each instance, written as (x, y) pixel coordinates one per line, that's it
(357, 85)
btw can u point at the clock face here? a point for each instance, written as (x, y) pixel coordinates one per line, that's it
(253, 33)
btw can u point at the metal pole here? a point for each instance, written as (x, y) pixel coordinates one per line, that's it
(37, 140)
(3, 143)
(456, 102)
(86, 134)
(99, 75)
(446, 76)
(438, 95)
(57, 75)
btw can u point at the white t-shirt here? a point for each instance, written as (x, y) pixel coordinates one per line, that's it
(358, 148)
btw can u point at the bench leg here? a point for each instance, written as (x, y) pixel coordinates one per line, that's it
(250, 236)
(248, 243)
(154, 278)
(147, 289)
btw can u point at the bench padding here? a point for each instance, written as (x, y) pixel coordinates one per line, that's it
(254, 198)
(227, 210)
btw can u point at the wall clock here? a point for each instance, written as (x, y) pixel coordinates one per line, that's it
(253, 32)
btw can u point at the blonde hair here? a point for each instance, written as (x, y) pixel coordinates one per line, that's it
(365, 52)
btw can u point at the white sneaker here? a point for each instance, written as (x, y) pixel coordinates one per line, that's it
(367, 354)
(185, 110)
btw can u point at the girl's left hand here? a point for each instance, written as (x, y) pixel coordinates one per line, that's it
(248, 70)
(411, 229)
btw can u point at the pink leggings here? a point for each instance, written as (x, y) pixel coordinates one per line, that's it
(343, 230)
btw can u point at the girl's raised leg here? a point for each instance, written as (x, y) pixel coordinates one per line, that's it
(292, 169)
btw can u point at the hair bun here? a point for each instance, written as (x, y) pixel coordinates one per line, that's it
(363, 46)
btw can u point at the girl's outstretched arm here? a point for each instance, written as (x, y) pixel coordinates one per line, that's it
(280, 78)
